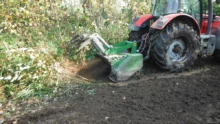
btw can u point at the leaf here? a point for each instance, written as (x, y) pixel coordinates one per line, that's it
(9, 19)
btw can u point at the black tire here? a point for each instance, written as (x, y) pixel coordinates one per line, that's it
(177, 47)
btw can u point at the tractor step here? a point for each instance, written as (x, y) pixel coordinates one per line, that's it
(208, 44)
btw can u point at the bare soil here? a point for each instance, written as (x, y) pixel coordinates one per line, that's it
(152, 97)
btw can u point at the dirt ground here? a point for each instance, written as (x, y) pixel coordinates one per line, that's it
(152, 97)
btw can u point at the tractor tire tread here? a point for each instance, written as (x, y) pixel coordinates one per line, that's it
(162, 42)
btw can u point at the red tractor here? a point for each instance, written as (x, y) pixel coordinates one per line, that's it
(177, 32)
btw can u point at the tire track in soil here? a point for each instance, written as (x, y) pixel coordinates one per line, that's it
(161, 76)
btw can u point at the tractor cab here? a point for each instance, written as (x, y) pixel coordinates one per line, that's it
(164, 7)
(198, 9)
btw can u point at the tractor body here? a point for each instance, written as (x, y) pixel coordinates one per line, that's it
(192, 12)
(171, 21)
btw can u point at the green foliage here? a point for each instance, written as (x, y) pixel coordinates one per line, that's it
(25, 71)
(30, 38)
(35, 35)
(216, 9)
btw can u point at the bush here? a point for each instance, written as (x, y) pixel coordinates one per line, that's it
(26, 72)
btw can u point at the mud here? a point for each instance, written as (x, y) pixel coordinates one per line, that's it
(95, 70)
(152, 97)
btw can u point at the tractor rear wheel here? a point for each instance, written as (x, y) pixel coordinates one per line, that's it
(176, 48)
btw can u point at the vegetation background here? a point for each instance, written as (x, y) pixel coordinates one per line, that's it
(35, 35)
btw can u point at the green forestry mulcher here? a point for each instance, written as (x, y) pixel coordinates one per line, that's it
(174, 34)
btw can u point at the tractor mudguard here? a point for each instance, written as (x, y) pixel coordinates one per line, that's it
(164, 20)
(140, 22)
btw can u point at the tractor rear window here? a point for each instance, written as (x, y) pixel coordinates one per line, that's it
(162, 7)
(191, 7)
